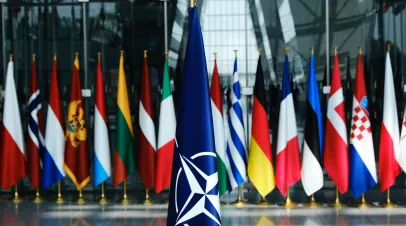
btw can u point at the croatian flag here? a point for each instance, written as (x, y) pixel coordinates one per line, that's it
(287, 152)
(388, 167)
(54, 136)
(362, 158)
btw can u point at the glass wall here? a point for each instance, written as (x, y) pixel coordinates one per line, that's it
(46, 27)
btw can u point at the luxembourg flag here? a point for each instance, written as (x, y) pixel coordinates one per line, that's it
(287, 153)
(388, 167)
(362, 158)
(12, 153)
(102, 168)
(54, 136)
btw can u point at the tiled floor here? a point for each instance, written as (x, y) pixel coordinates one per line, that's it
(29, 213)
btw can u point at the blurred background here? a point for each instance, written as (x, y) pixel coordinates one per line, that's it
(46, 27)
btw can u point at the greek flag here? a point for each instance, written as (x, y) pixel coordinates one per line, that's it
(236, 139)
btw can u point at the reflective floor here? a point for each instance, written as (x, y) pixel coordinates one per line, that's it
(29, 213)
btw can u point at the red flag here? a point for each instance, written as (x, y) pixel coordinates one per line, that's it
(335, 156)
(76, 157)
(36, 142)
(146, 153)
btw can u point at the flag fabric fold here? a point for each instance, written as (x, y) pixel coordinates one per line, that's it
(147, 152)
(311, 172)
(362, 157)
(53, 160)
(236, 144)
(287, 153)
(388, 167)
(101, 157)
(335, 154)
(36, 141)
(76, 156)
(12, 153)
(260, 165)
(194, 195)
(223, 163)
(123, 159)
(166, 135)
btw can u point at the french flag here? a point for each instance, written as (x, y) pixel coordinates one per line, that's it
(53, 160)
(287, 154)
(12, 153)
(388, 167)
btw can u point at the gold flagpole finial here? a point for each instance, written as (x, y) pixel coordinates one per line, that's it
(98, 55)
(54, 56)
(166, 55)
(33, 56)
(215, 55)
(122, 53)
(286, 51)
(312, 50)
(235, 51)
(260, 51)
(360, 50)
(76, 55)
(335, 51)
(145, 53)
(389, 47)
(11, 57)
(192, 3)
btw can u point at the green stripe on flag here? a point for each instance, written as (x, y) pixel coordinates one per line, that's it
(125, 142)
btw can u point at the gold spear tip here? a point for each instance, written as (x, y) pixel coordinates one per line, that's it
(54, 56)
(335, 51)
(33, 56)
(260, 51)
(122, 53)
(312, 50)
(76, 55)
(98, 55)
(145, 53)
(389, 47)
(192, 3)
(360, 50)
(286, 51)
(235, 51)
(166, 55)
(215, 55)
(11, 57)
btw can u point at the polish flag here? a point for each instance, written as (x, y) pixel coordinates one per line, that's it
(336, 146)
(287, 154)
(388, 167)
(12, 152)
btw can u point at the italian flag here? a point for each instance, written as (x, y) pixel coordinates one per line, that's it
(166, 135)
(124, 151)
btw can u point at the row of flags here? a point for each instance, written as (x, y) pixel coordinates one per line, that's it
(60, 148)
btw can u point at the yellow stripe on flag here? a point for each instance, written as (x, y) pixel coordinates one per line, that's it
(122, 95)
(260, 170)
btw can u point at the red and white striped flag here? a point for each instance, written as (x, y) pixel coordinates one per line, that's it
(147, 151)
(12, 153)
(389, 146)
(335, 157)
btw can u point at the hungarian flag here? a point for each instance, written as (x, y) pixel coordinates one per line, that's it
(287, 153)
(166, 135)
(123, 158)
(260, 168)
(312, 173)
(362, 157)
(223, 163)
(52, 169)
(76, 156)
(101, 157)
(388, 167)
(335, 154)
(36, 142)
(12, 153)
(146, 153)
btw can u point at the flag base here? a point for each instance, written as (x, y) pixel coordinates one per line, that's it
(147, 200)
(103, 200)
(16, 198)
(288, 204)
(38, 199)
(364, 203)
(337, 205)
(166, 201)
(222, 203)
(239, 202)
(124, 201)
(263, 202)
(388, 205)
(312, 203)
(81, 200)
(60, 200)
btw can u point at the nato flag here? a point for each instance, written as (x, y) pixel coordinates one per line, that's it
(194, 198)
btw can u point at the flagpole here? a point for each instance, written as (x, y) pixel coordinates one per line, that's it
(16, 197)
(125, 200)
(288, 203)
(239, 201)
(59, 199)
(38, 198)
(337, 203)
(148, 200)
(103, 199)
(363, 203)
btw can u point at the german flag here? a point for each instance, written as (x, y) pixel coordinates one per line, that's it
(76, 156)
(260, 168)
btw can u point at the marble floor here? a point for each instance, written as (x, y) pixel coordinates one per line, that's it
(48, 213)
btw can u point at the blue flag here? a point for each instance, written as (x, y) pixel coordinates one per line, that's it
(194, 198)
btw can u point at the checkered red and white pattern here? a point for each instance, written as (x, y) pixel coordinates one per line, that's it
(360, 124)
